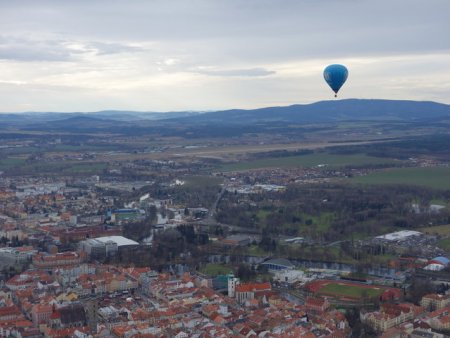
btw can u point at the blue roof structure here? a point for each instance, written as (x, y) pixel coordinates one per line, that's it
(278, 264)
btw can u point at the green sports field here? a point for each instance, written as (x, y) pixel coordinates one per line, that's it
(352, 291)
(212, 269)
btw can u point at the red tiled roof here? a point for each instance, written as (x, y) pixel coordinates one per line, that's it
(9, 311)
(42, 308)
(253, 287)
(16, 323)
(315, 301)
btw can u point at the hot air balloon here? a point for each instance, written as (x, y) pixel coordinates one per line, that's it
(335, 75)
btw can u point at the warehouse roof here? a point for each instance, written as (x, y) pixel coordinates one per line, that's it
(119, 240)
(399, 235)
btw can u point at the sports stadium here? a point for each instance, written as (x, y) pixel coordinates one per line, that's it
(347, 291)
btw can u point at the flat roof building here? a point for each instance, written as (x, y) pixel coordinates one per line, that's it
(399, 235)
(119, 240)
(278, 264)
(105, 246)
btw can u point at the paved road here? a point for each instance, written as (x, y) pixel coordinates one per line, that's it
(213, 209)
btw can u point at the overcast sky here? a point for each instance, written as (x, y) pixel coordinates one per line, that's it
(150, 55)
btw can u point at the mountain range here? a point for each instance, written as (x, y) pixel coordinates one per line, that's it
(319, 112)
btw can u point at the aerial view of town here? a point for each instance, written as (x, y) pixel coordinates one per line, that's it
(207, 202)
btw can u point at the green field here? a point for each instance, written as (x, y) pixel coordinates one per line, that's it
(202, 181)
(11, 162)
(216, 269)
(352, 291)
(57, 168)
(84, 148)
(444, 243)
(443, 230)
(254, 250)
(432, 177)
(306, 161)
(86, 168)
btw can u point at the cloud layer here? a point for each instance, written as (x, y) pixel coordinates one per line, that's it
(206, 54)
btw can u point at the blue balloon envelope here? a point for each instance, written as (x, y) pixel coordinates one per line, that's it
(335, 75)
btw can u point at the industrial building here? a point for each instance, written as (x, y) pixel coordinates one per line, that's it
(101, 247)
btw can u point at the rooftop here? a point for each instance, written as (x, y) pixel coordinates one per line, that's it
(119, 240)
(442, 260)
(279, 261)
(255, 287)
(399, 235)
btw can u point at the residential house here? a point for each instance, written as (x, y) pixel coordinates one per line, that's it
(435, 301)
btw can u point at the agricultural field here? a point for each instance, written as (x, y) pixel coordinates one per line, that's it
(11, 162)
(310, 160)
(58, 168)
(202, 181)
(86, 168)
(431, 177)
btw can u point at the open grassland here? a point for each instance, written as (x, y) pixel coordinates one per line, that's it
(431, 177)
(310, 160)
(440, 201)
(352, 291)
(11, 162)
(226, 148)
(58, 168)
(254, 250)
(202, 181)
(62, 148)
(444, 244)
(443, 230)
(86, 168)
(20, 151)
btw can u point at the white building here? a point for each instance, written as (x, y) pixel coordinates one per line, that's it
(399, 235)
(17, 255)
(105, 246)
(291, 276)
(232, 283)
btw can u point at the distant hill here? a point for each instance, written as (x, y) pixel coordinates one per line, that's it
(330, 111)
(31, 118)
(79, 123)
(238, 121)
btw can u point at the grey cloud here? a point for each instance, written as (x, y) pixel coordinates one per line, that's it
(270, 29)
(105, 48)
(22, 49)
(237, 38)
(251, 72)
(27, 50)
